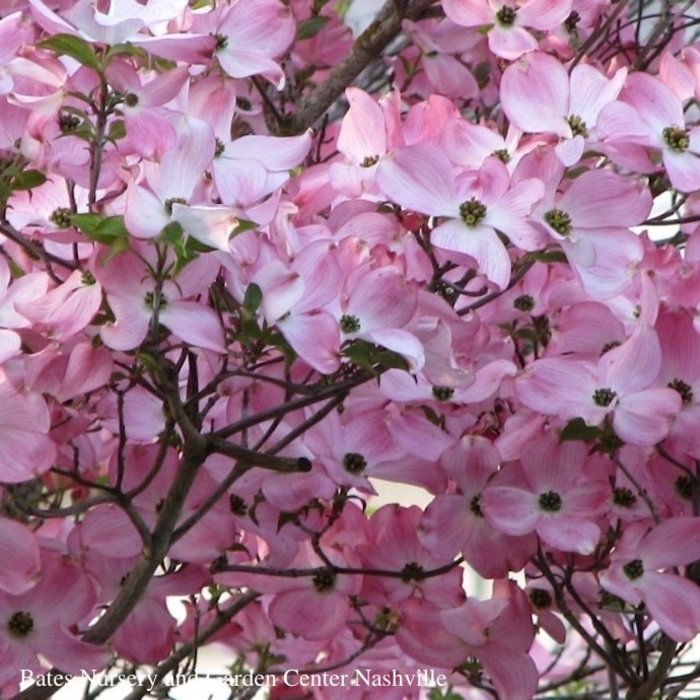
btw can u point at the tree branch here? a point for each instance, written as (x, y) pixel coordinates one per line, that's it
(367, 48)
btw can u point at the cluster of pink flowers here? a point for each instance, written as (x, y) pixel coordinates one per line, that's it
(221, 321)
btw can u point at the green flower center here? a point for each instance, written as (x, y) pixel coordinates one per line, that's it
(220, 148)
(685, 390)
(578, 126)
(624, 497)
(354, 463)
(412, 572)
(603, 397)
(524, 303)
(369, 161)
(550, 501)
(61, 217)
(324, 580)
(155, 300)
(634, 569)
(443, 393)
(676, 139)
(131, 100)
(20, 624)
(506, 16)
(87, 278)
(472, 212)
(559, 220)
(502, 155)
(349, 323)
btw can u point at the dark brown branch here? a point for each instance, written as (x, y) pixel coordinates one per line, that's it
(367, 48)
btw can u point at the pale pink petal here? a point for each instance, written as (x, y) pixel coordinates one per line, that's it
(420, 178)
(625, 201)
(479, 242)
(362, 132)
(634, 365)
(315, 337)
(469, 13)
(569, 533)
(674, 542)
(544, 14)
(511, 42)
(194, 323)
(535, 94)
(645, 418)
(513, 673)
(274, 152)
(674, 603)
(19, 553)
(308, 614)
(210, 225)
(144, 215)
(510, 510)
(106, 529)
(401, 342)
(684, 168)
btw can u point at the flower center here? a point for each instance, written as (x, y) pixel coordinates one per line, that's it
(61, 217)
(685, 485)
(502, 155)
(369, 161)
(349, 323)
(87, 278)
(624, 497)
(443, 393)
(578, 126)
(354, 463)
(220, 148)
(550, 501)
(559, 220)
(524, 303)
(155, 300)
(685, 390)
(676, 139)
(603, 397)
(634, 569)
(237, 505)
(20, 624)
(411, 572)
(169, 204)
(475, 506)
(506, 16)
(324, 580)
(131, 100)
(221, 41)
(540, 598)
(472, 212)
(68, 122)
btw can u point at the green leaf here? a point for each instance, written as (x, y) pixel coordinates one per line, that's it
(107, 230)
(388, 359)
(73, 46)
(244, 225)
(359, 352)
(552, 256)
(125, 50)
(578, 429)
(311, 27)
(27, 180)
(117, 130)
(252, 299)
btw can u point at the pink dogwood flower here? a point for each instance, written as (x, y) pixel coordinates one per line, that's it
(636, 574)
(476, 205)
